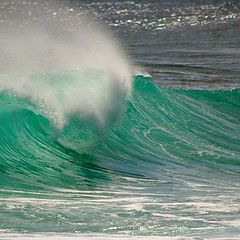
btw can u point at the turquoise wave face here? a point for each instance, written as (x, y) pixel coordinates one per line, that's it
(167, 158)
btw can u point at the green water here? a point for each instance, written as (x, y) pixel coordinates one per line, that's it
(166, 163)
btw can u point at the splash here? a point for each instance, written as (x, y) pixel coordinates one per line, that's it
(66, 65)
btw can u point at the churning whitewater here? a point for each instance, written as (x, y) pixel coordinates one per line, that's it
(91, 147)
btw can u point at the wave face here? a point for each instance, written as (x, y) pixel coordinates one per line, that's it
(168, 159)
(70, 101)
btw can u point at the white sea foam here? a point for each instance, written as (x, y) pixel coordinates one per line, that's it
(66, 236)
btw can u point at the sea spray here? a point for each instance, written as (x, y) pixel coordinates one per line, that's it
(71, 70)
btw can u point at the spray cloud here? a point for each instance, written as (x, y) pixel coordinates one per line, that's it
(54, 56)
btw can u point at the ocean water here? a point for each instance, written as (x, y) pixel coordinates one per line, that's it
(120, 119)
